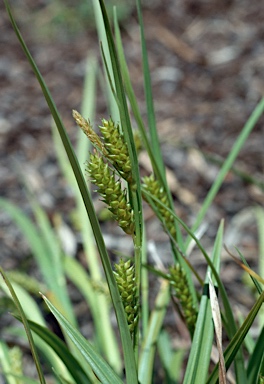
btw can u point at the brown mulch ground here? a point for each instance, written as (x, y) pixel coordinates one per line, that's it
(206, 60)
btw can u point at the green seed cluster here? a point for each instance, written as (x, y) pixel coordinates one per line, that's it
(111, 191)
(125, 278)
(116, 148)
(180, 284)
(155, 188)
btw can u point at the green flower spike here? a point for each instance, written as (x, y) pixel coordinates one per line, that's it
(154, 188)
(125, 278)
(179, 282)
(116, 148)
(86, 127)
(112, 193)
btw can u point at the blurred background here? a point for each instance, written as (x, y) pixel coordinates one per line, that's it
(206, 60)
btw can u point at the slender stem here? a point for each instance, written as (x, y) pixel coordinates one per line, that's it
(250, 124)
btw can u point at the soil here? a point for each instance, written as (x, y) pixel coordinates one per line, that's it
(206, 61)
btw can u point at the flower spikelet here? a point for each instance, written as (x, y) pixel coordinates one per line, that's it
(125, 278)
(111, 191)
(116, 148)
(86, 127)
(178, 281)
(155, 188)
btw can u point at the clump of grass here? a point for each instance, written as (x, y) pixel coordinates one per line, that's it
(113, 167)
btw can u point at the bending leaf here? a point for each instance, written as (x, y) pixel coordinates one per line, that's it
(99, 366)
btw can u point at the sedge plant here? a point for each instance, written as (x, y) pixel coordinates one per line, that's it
(126, 354)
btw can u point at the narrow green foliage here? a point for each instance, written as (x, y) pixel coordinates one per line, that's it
(116, 148)
(100, 367)
(179, 282)
(125, 278)
(26, 326)
(111, 191)
(155, 188)
(59, 347)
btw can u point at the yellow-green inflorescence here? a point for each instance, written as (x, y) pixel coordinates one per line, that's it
(117, 151)
(155, 188)
(86, 127)
(125, 278)
(110, 189)
(178, 281)
(112, 146)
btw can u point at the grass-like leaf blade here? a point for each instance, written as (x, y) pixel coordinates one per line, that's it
(62, 351)
(146, 360)
(199, 358)
(256, 361)
(237, 340)
(148, 93)
(35, 241)
(26, 326)
(99, 366)
(240, 141)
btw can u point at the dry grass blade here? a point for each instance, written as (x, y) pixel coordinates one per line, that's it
(245, 267)
(218, 331)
